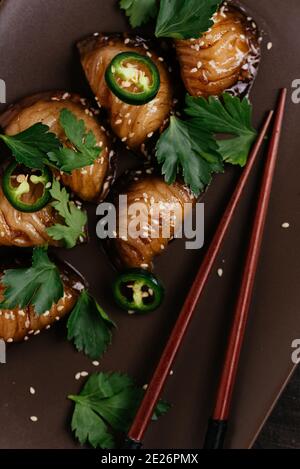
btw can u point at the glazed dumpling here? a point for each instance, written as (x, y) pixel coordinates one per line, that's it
(90, 183)
(25, 229)
(224, 58)
(132, 124)
(19, 324)
(160, 206)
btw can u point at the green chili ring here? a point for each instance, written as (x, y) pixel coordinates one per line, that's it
(145, 82)
(138, 290)
(14, 193)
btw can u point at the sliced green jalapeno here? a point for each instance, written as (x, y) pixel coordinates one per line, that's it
(138, 290)
(133, 78)
(27, 189)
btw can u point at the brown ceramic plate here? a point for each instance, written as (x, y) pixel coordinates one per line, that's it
(37, 50)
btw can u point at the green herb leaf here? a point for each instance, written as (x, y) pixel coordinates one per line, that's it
(85, 144)
(39, 285)
(75, 218)
(185, 19)
(189, 149)
(139, 11)
(226, 115)
(111, 399)
(31, 146)
(89, 327)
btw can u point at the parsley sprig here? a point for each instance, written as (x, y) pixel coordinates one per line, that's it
(74, 218)
(176, 18)
(89, 327)
(139, 11)
(31, 146)
(37, 146)
(85, 150)
(39, 285)
(106, 406)
(192, 146)
(230, 116)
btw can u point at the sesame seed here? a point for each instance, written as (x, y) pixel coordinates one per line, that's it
(144, 266)
(33, 418)
(78, 376)
(95, 363)
(60, 308)
(37, 332)
(26, 338)
(199, 64)
(285, 225)
(48, 327)
(10, 341)
(149, 54)
(32, 390)
(118, 121)
(161, 59)
(31, 332)
(171, 373)
(130, 312)
(269, 45)
(84, 374)
(194, 70)
(145, 387)
(127, 40)
(57, 318)
(220, 272)
(150, 134)
(124, 139)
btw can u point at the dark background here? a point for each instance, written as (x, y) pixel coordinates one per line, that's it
(37, 53)
(282, 430)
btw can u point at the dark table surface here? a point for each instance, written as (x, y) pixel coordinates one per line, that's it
(282, 430)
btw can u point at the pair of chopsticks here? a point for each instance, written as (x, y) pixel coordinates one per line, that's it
(218, 424)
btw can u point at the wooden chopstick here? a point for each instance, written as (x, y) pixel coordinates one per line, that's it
(218, 424)
(154, 390)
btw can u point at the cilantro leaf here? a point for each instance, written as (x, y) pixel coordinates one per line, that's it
(111, 399)
(85, 144)
(139, 11)
(89, 327)
(90, 428)
(226, 115)
(39, 285)
(185, 19)
(31, 146)
(190, 149)
(74, 218)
